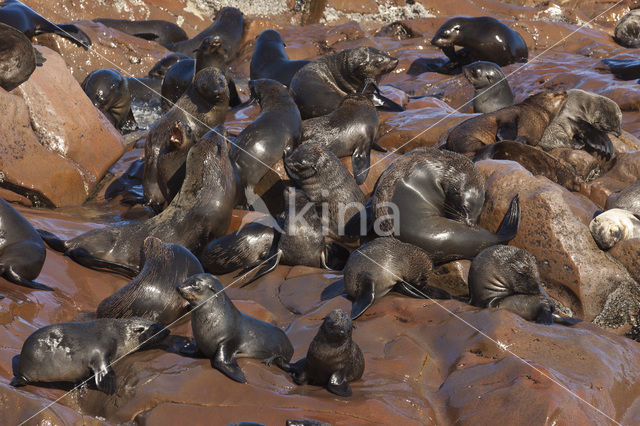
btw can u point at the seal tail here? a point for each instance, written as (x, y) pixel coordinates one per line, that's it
(511, 221)
(333, 290)
(426, 292)
(559, 319)
(52, 240)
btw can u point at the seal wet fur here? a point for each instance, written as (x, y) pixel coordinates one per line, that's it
(270, 60)
(108, 90)
(491, 88)
(18, 58)
(613, 226)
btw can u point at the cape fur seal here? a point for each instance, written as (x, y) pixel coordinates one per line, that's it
(507, 277)
(70, 352)
(491, 88)
(613, 226)
(270, 60)
(524, 122)
(626, 199)
(157, 30)
(172, 159)
(152, 294)
(333, 359)
(319, 87)
(383, 265)
(108, 90)
(223, 333)
(627, 30)
(18, 58)
(30, 23)
(199, 213)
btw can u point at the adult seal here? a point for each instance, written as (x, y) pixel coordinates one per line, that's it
(432, 198)
(162, 32)
(199, 213)
(70, 352)
(333, 359)
(30, 23)
(22, 251)
(319, 87)
(507, 277)
(152, 294)
(482, 39)
(274, 134)
(627, 31)
(349, 131)
(172, 167)
(383, 265)
(491, 90)
(108, 90)
(18, 57)
(525, 122)
(270, 60)
(613, 226)
(223, 333)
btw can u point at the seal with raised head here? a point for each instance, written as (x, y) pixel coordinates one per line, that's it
(507, 277)
(626, 199)
(199, 213)
(22, 251)
(613, 226)
(349, 131)
(584, 121)
(70, 352)
(524, 122)
(333, 359)
(491, 90)
(228, 25)
(325, 180)
(202, 107)
(223, 333)
(30, 23)
(172, 159)
(319, 87)
(432, 198)
(627, 30)
(482, 38)
(152, 294)
(270, 60)
(380, 266)
(274, 134)
(159, 70)
(108, 90)
(18, 58)
(162, 32)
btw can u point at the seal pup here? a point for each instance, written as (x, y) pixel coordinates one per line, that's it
(325, 180)
(349, 131)
(383, 265)
(613, 226)
(319, 87)
(524, 122)
(273, 134)
(228, 25)
(108, 90)
(22, 252)
(584, 121)
(507, 277)
(69, 352)
(223, 333)
(491, 90)
(333, 359)
(482, 39)
(18, 58)
(199, 213)
(627, 30)
(152, 294)
(626, 199)
(30, 23)
(432, 199)
(202, 107)
(157, 30)
(270, 60)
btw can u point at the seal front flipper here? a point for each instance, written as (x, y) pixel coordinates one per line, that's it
(364, 299)
(336, 256)
(146, 36)
(360, 162)
(334, 289)
(104, 376)
(339, 385)
(511, 221)
(559, 319)
(597, 140)
(52, 240)
(73, 33)
(40, 60)
(383, 103)
(427, 292)
(225, 362)
(18, 380)
(83, 257)
(378, 147)
(13, 276)
(360, 223)
(269, 266)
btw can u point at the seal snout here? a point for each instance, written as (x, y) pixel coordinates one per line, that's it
(153, 334)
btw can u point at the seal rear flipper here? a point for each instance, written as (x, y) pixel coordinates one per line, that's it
(104, 376)
(334, 289)
(360, 162)
(339, 385)
(565, 320)
(378, 147)
(83, 257)
(269, 266)
(13, 276)
(511, 221)
(597, 140)
(293, 367)
(336, 257)
(52, 240)
(383, 103)
(18, 381)
(427, 292)
(363, 300)
(40, 60)
(225, 362)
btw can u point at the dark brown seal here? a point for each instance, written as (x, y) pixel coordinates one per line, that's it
(17, 56)
(491, 90)
(524, 122)
(108, 90)
(172, 159)
(626, 199)
(269, 59)
(162, 32)
(627, 30)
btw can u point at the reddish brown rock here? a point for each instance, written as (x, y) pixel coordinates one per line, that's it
(624, 172)
(627, 252)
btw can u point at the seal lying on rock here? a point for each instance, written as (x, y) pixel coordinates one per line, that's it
(18, 58)
(507, 277)
(162, 32)
(626, 199)
(108, 90)
(223, 333)
(269, 59)
(333, 359)
(69, 352)
(491, 88)
(613, 226)
(382, 265)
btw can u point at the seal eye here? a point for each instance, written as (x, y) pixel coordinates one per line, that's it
(139, 329)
